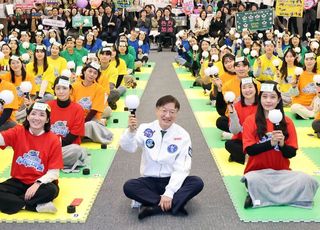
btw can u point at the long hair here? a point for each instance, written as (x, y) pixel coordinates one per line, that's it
(35, 62)
(23, 72)
(284, 67)
(261, 119)
(229, 56)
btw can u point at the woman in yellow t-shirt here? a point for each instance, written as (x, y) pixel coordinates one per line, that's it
(286, 76)
(90, 95)
(59, 63)
(42, 73)
(16, 76)
(4, 63)
(305, 100)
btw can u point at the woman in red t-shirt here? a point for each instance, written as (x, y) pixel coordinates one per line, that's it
(269, 148)
(35, 165)
(238, 112)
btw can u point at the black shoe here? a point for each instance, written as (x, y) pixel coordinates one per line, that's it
(173, 49)
(146, 211)
(113, 105)
(138, 69)
(159, 49)
(248, 202)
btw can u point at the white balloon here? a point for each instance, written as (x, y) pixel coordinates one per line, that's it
(275, 116)
(26, 45)
(140, 43)
(239, 41)
(276, 32)
(195, 47)
(205, 54)
(214, 57)
(237, 35)
(254, 53)
(207, 71)
(214, 70)
(71, 65)
(25, 57)
(40, 27)
(229, 96)
(132, 101)
(1, 26)
(280, 35)
(316, 78)
(308, 34)
(314, 45)
(66, 73)
(52, 40)
(178, 43)
(297, 50)
(246, 51)
(276, 62)
(26, 86)
(7, 96)
(298, 71)
(260, 35)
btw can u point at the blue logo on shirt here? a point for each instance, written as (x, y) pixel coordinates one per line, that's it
(31, 160)
(148, 133)
(38, 80)
(150, 143)
(172, 148)
(60, 128)
(85, 103)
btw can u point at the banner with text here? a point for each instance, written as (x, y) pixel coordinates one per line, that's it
(78, 20)
(254, 20)
(290, 8)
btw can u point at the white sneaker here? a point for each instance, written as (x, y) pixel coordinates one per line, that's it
(135, 204)
(46, 207)
(226, 136)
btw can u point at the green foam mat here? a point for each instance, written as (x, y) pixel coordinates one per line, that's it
(237, 192)
(187, 84)
(236, 189)
(122, 120)
(201, 105)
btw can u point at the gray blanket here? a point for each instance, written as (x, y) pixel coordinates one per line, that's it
(280, 187)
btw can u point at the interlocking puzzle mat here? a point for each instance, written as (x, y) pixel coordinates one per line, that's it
(77, 185)
(307, 159)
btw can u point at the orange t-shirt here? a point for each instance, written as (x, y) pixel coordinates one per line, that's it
(5, 85)
(307, 89)
(17, 83)
(89, 97)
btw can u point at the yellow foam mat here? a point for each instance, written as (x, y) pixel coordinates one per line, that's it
(186, 77)
(120, 106)
(206, 119)
(299, 163)
(304, 140)
(5, 158)
(141, 84)
(175, 65)
(69, 190)
(195, 93)
(226, 168)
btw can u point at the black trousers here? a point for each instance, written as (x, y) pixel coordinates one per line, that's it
(222, 123)
(147, 191)
(235, 148)
(162, 37)
(12, 192)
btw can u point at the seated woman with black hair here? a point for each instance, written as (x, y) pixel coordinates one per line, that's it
(90, 95)
(238, 113)
(267, 175)
(37, 159)
(67, 121)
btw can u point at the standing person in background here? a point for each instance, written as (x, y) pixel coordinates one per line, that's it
(167, 29)
(165, 185)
